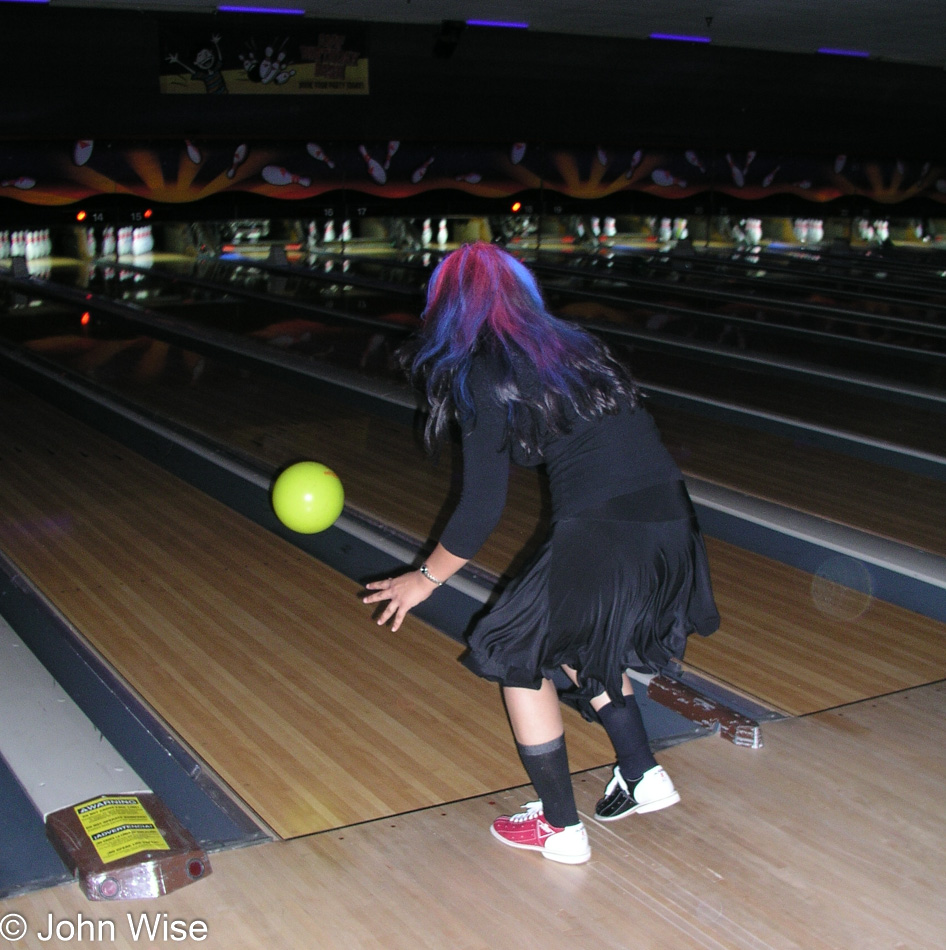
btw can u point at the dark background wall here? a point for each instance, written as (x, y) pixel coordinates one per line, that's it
(94, 74)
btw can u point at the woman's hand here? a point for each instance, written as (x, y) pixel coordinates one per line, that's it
(402, 593)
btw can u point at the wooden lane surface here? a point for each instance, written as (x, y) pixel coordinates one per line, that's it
(260, 416)
(780, 642)
(262, 660)
(897, 505)
(259, 413)
(797, 846)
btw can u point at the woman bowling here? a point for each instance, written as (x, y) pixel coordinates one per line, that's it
(621, 580)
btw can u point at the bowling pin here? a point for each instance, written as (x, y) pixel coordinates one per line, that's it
(601, 155)
(610, 227)
(82, 151)
(421, 170)
(193, 152)
(839, 164)
(635, 161)
(426, 234)
(471, 178)
(442, 232)
(517, 153)
(317, 153)
(665, 232)
(266, 69)
(694, 160)
(663, 178)
(737, 175)
(276, 175)
(392, 148)
(328, 234)
(770, 177)
(374, 168)
(23, 183)
(239, 157)
(346, 230)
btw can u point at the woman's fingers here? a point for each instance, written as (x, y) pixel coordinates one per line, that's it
(401, 593)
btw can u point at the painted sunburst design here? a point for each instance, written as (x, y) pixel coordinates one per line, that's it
(575, 185)
(894, 189)
(193, 181)
(184, 172)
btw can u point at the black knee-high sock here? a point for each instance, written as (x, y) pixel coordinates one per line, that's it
(547, 767)
(625, 729)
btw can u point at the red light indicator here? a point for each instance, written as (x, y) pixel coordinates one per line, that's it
(80, 216)
(516, 205)
(86, 319)
(148, 213)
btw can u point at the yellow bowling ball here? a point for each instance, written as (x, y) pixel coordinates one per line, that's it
(308, 497)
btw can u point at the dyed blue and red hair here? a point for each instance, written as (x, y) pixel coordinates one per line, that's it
(483, 301)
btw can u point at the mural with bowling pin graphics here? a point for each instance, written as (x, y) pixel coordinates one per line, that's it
(191, 170)
(322, 58)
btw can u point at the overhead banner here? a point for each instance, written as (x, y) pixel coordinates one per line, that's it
(193, 170)
(328, 58)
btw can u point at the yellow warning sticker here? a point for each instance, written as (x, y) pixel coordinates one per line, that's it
(119, 826)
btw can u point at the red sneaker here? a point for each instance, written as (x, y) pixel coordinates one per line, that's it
(531, 831)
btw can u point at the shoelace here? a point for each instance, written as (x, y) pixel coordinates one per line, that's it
(532, 810)
(616, 781)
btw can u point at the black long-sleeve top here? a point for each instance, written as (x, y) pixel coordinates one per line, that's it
(593, 462)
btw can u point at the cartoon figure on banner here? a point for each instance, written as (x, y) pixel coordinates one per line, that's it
(207, 66)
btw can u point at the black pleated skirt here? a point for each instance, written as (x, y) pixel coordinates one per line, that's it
(620, 586)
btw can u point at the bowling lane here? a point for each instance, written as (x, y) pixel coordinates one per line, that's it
(200, 390)
(781, 643)
(724, 360)
(730, 354)
(263, 661)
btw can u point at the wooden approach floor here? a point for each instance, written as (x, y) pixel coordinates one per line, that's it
(829, 838)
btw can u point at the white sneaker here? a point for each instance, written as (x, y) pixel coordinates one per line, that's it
(652, 791)
(531, 831)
